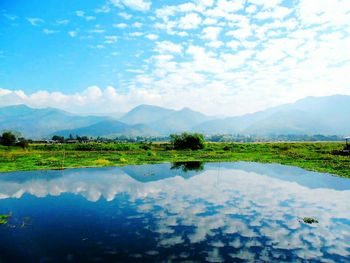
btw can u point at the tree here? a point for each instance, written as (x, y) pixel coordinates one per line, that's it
(57, 138)
(22, 142)
(188, 166)
(8, 139)
(193, 141)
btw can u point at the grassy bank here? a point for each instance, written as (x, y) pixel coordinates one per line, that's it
(311, 156)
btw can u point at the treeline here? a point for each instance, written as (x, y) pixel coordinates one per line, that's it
(272, 138)
(122, 138)
(10, 139)
(209, 138)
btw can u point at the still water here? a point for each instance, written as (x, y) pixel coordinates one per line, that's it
(221, 212)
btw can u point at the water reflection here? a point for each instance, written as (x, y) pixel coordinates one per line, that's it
(188, 166)
(216, 212)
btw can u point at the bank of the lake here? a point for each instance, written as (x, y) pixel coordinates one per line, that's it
(315, 156)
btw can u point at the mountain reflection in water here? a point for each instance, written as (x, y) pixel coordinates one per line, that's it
(185, 211)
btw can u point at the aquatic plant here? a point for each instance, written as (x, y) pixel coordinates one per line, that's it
(310, 220)
(4, 219)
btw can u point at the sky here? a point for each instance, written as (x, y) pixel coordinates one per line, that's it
(218, 57)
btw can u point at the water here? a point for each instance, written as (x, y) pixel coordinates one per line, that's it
(185, 212)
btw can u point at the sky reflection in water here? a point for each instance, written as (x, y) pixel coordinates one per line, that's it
(213, 212)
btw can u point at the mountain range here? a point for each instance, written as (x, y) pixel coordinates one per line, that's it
(313, 115)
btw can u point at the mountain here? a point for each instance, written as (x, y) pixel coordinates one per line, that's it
(312, 115)
(145, 114)
(162, 120)
(110, 128)
(144, 120)
(179, 121)
(39, 123)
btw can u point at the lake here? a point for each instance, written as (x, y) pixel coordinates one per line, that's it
(212, 212)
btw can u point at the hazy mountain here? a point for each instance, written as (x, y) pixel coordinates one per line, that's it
(164, 120)
(313, 115)
(179, 121)
(110, 128)
(323, 115)
(38, 123)
(145, 114)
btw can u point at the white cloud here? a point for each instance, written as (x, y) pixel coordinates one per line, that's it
(137, 25)
(234, 44)
(240, 33)
(72, 33)
(255, 53)
(62, 22)
(10, 17)
(323, 11)
(35, 21)
(211, 33)
(251, 9)
(82, 14)
(152, 36)
(215, 44)
(167, 46)
(278, 12)
(135, 34)
(103, 9)
(125, 15)
(190, 21)
(97, 31)
(111, 39)
(266, 3)
(140, 5)
(121, 25)
(49, 32)
(89, 18)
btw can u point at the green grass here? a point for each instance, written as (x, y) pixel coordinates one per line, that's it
(310, 156)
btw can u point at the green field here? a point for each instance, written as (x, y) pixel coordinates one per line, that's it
(310, 156)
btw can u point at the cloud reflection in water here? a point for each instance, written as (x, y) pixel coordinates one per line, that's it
(244, 211)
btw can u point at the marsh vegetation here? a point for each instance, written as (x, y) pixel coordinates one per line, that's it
(311, 156)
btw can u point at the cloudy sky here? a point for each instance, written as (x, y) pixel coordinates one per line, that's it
(219, 57)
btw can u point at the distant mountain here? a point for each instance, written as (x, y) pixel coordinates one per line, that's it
(145, 114)
(312, 115)
(164, 121)
(110, 128)
(179, 121)
(39, 123)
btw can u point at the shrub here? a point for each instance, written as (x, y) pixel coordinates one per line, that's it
(102, 162)
(23, 143)
(188, 166)
(8, 139)
(193, 141)
(145, 147)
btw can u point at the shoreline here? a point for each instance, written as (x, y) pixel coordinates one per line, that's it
(311, 156)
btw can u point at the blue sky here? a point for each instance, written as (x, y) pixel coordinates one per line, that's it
(216, 56)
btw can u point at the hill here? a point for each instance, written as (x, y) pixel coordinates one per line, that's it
(312, 115)
(145, 114)
(38, 123)
(110, 128)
